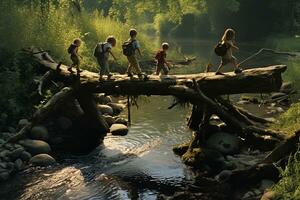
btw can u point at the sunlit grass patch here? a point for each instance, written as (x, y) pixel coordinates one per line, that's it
(289, 121)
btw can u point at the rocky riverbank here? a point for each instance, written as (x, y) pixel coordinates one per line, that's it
(44, 142)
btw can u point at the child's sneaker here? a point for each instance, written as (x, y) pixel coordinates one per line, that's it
(129, 74)
(219, 73)
(70, 70)
(109, 76)
(238, 71)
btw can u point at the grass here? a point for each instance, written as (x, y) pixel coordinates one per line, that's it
(289, 121)
(21, 27)
(289, 185)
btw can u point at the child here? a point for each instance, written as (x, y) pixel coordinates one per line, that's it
(73, 50)
(160, 56)
(102, 52)
(228, 39)
(129, 50)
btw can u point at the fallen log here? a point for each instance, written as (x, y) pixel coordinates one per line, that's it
(258, 80)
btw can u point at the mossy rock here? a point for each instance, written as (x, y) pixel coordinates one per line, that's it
(194, 158)
(181, 149)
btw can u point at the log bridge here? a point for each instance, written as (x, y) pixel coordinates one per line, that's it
(203, 90)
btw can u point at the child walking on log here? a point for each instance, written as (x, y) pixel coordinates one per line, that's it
(160, 57)
(225, 48)
(101, 52)
(73, 50)
(130, 47)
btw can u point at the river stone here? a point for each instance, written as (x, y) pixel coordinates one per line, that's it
(4, 176)
(25, 156)
(6, 135)
(42, 160)
(119, 129)
(23, 122)
(102, 99)
(39, 133)
(16, 153)
(35, 146)
(120, 120)
(64, 123)
(19, 164)
(105, 109)
(117, 108)
(9, 146)
(12, 129)
(224, 175)
(2, 141)
(223, 142)
(5, 153)
(109, 119)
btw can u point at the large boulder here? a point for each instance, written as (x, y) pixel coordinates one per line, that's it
(64, 123)
(39, 133)
(119, 129)
(224, 143)
(35, 146)
(105, 109)
(42, 160)
(117, 108)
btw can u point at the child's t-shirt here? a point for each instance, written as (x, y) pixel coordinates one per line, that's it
(229, 50)
(161, 57)
(135, 44)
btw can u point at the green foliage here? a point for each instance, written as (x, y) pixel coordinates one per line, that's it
(289, 121)
(289, 185)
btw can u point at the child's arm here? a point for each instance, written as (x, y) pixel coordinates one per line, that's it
(139, 52)
(112, 55)
(76, 53)
(233, 45)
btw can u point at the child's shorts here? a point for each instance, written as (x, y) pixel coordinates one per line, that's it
(226, 60)
(75, 60)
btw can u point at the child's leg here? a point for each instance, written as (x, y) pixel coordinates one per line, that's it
(129, 69)
(234, 62)
(220, 66)
(157, 69)
(165, 69)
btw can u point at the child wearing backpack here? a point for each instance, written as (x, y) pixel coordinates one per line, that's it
(225, 48)
(129, 50)
(160, 57)
(101, 52)
(73, 50)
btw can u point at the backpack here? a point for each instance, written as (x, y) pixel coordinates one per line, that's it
(221, 49)
(128, 49)
(71, 48)
(99, 50)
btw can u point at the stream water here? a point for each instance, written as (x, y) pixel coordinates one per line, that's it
(137, 166)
